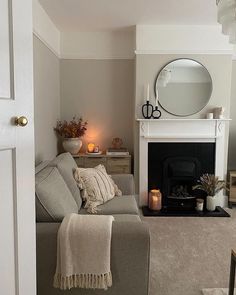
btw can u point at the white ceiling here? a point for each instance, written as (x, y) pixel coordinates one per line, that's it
(96, 15)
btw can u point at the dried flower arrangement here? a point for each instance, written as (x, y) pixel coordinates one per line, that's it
(71, 129)
(210, 184)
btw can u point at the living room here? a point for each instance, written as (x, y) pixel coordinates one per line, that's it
(128, 113)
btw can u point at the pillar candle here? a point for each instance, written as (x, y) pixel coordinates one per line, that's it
(156, 101)
(155, 200)
(148, 94)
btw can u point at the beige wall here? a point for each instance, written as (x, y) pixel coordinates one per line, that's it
(47, 100)
(148, 66)
(232, 131)
(102, 92)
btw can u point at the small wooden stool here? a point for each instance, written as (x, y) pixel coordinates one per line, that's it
(232, 272)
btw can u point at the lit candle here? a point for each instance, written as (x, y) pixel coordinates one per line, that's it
(155, 200)
(91, 147)
(148, 94)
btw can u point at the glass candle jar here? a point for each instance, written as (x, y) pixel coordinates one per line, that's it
(199, 204)
(155, 200)
(91, 147)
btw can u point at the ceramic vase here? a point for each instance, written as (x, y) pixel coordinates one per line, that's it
(211, 203)
(72, 145)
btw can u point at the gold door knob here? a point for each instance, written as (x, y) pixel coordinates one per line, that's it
(21, 121)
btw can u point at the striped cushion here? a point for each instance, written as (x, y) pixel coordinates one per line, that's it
(96, 185)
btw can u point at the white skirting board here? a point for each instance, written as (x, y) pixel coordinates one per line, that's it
(216, 291)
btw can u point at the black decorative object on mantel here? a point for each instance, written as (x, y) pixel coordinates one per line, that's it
(149, 112)
(156, 114)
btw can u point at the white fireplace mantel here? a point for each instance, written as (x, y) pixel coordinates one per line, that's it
(180, 130)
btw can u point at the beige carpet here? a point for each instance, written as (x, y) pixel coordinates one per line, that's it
(190, 254)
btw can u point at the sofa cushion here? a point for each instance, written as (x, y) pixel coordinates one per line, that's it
(66, 166)
(126, 217)
(41, 166)
(97, 187)
(118, 205)
(53, 198)
(125, 182)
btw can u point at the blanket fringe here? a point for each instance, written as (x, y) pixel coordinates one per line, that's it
(87, 281)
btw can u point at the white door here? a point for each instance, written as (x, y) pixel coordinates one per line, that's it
(17, 228)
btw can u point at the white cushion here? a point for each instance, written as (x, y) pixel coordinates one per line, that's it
(96, 185)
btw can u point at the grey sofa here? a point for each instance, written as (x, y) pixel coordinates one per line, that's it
(130, 236)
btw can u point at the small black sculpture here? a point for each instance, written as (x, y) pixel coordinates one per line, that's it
(149, 111)
(156, 114)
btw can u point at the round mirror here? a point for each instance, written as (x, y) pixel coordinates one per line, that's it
(183, 87)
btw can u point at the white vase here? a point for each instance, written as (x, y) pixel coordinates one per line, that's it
(211, 203)
(72, 145)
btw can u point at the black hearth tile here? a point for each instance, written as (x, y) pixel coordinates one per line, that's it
(219, 212)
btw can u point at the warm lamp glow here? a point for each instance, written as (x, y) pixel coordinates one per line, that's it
(91, 147)
(154, 201)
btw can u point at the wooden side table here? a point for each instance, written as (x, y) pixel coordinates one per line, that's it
(113, 164)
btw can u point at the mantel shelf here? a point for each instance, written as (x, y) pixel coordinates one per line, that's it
(182, 119)
(181, 136)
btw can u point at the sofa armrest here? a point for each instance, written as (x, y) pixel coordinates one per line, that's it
(125, 183)
(130, 250)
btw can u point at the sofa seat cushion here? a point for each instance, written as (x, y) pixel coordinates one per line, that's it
(118, 205)
(126, 218)
(53, 198)
(66, 166)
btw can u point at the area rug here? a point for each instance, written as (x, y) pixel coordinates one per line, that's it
(189, 254)
(216, 291)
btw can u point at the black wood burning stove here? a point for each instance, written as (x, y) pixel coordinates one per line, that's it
(180, 174)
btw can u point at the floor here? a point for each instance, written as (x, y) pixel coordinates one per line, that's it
(189, 254)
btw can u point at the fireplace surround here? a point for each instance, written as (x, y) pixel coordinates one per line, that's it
(182, 131)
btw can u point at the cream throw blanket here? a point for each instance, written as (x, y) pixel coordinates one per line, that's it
(83, 252)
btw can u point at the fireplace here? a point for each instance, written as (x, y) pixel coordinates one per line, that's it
(174, 168)
(201, 138)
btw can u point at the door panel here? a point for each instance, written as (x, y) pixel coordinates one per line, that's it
(17, 200)
(7, 222)
(6, 52)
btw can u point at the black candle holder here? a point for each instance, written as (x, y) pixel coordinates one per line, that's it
(156, 114)
(149, 111)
